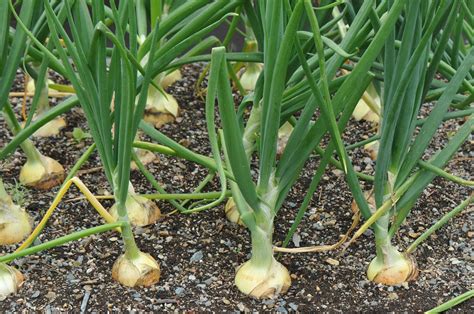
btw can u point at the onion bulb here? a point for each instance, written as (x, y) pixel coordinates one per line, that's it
(10, 280)
(232, 213)
(363, 110)
(393, 268)
(249, 76)
(283, 135)
(42, 173)
(15, 223)
(140, 271)
(53, 127)
(263, 281)
(141, 211)
(373, 149)
(145, 156)
(161, 107)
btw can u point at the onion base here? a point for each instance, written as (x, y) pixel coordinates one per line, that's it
(263, 281)
(143, 271)
(43, 174)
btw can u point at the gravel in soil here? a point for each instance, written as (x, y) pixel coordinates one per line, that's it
(199, 253)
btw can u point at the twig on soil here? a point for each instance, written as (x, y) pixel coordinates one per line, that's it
(88, 171)
(323, 248)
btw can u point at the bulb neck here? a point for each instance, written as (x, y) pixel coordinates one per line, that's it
(43, 102)
(262, 246)
(131, 249)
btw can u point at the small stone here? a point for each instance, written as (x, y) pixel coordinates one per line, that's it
(331, 222)
(241, 307)
(51, 296)
(269, 302)
(35, 294)
(192, 277)
(368, 232)
(227, 302)
(393, 296)
(319, 226)
(179, 291)
(293, 306)
(196, 256)
(332, 262)
(296, 239)
(470, 234)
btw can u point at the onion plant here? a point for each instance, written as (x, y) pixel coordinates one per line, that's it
(54, 126)
(285, 58)
(162, 107)
(400, 175)
(106, 90)
(40, 171)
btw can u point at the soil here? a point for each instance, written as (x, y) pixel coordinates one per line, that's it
(199, 253)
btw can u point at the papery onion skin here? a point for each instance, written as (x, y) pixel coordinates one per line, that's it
(171, 78)
(232, 213)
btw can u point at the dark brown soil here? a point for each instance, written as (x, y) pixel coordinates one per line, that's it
(199, 253)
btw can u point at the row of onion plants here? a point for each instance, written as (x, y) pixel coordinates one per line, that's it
(303, 73)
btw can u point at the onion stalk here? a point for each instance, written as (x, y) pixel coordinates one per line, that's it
(54, 126)
(10, 280)
(15, 223)
(284, 133)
